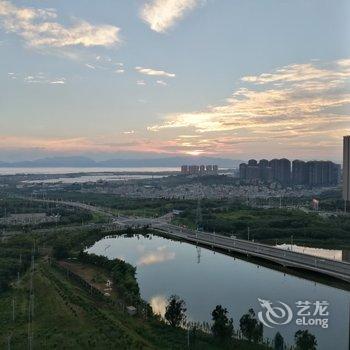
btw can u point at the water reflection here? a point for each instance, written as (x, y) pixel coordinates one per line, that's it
(161, 254)
(204, 279)
(158, 304)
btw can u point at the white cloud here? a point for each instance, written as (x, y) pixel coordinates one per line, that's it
(141, 82)
(161, 82)
(58, 82)
(38, 78)
(163, 14)
(154, 72)
(39, 29)
(88, 65)
(106, 63)
(160, 255)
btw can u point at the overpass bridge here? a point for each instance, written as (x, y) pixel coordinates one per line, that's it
(286, 258)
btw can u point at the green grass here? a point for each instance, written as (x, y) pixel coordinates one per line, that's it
(67, 317)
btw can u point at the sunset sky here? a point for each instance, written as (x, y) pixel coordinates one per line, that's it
(154, 78)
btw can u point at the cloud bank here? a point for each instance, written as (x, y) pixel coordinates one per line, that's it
(163, 14)
(39, 28)
(305, 104)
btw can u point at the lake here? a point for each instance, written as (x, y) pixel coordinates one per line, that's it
(14, 171)
(205, 279)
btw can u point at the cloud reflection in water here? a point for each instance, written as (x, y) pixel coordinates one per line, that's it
(161, 254)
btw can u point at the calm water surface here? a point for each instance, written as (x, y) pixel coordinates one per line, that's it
(205, 279)
(51, 170)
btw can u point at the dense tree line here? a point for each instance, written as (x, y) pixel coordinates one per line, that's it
(15, 257)
(122, 273)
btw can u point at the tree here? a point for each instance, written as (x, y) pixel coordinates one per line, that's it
(222, 327)
(60, 251)
(175, 312)
(305, 340)
(278, 342)
(250, 327)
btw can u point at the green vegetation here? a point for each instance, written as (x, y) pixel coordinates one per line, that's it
(67, 313)
(175, 312)
(251, 328)
(271, 224)
(122, 273)
(128, 206)
(222, 327)
(15, 256)
(67, 216)
(279, 342)
(305, 340)
(229, 217)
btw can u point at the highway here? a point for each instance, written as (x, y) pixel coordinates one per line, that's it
(336, 269)
(333, 268)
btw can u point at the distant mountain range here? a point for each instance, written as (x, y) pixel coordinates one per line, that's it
(85, 162)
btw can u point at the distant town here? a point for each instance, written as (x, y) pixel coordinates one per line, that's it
(199, 169)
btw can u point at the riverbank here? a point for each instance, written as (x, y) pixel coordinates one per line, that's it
(63, 313)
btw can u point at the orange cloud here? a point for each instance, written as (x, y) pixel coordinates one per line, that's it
(307, 101)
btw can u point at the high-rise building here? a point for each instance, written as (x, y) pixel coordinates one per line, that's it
(312, 173)
(274, 165)
(193, 169)
(285, 171)
(281, 170)
(346, 168)
(265, 170)
(299, 172)
(252, 162)
(184, 169)
(322, 173)
(199, 169)
(253, 173)
(243, 171)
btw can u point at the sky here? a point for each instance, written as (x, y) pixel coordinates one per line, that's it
(156, 78)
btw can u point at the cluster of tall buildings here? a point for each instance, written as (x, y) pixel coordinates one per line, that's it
(199, 169)
(298, 172)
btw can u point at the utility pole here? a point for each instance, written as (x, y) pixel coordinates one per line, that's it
(188, 337)
(199, 214)
(13, 309)
(9, 342)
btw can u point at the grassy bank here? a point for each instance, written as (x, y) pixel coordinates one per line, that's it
(64, 314)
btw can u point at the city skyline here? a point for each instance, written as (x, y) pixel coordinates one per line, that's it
(158, 78)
